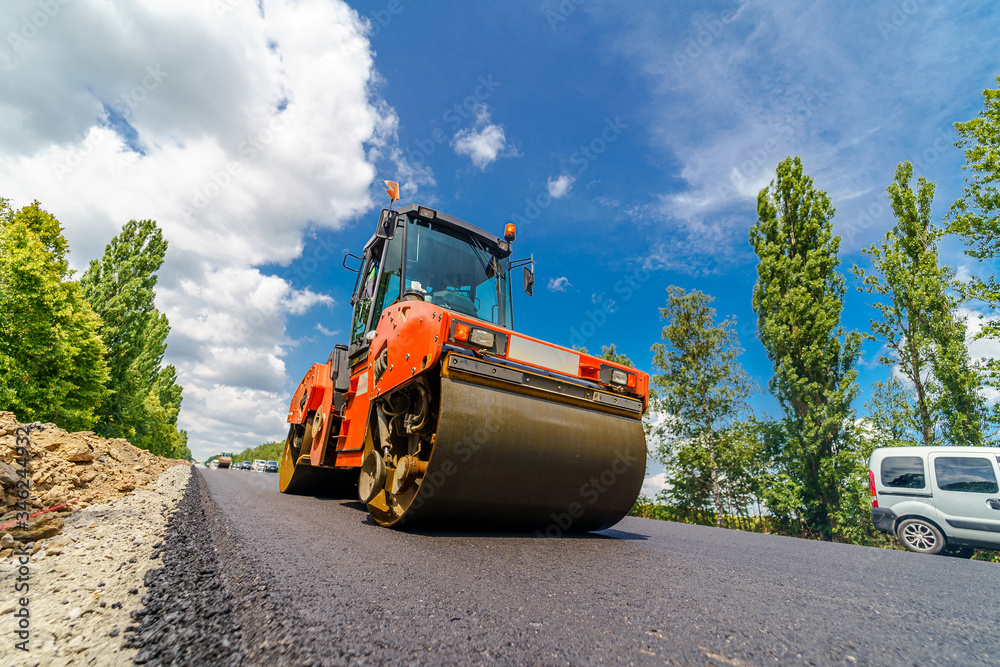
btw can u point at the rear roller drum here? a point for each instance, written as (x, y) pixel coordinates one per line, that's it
(296, 476)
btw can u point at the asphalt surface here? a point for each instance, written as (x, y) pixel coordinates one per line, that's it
(315, 581)
(187, 616)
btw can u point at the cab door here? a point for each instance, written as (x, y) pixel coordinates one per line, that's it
(967, 495)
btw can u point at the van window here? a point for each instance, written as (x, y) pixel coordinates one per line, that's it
(903, 472)
(971, 474)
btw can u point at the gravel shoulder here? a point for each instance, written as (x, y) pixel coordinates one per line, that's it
(85, 583)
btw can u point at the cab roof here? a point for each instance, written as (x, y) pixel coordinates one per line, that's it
(427, 213)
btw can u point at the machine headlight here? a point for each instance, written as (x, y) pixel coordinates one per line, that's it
(482, 338)
(619, 377)
(485, 339)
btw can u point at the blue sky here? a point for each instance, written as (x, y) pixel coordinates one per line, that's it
(628, 139)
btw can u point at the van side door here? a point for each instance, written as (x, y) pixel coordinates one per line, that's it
(966, 492)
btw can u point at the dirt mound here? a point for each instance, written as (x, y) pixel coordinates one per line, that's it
(66, 467)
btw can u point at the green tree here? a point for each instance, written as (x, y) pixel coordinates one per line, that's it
(798, 300)
(611, 353)
(158, 432)
(919, 325)
(145, 400)
(269, 451)
(892, 416)
(976, 214)
(702, 393)
(51, 357)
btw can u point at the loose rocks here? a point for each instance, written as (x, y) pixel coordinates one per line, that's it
(79, 598)
(64, 467)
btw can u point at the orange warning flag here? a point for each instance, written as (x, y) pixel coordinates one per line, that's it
(393, 189)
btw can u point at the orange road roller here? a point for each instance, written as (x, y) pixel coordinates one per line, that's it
(438, 414)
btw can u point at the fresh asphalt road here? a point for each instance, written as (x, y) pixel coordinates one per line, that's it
(320, 583)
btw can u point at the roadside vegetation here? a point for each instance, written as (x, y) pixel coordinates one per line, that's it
(269, 451)
(804, 472)
(87, 354)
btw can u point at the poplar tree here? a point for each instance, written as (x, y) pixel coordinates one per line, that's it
(145, 399)
(610, 352)
(919, 324)
(976, 214)
(702, 393)
(798, 299)
(52, 365)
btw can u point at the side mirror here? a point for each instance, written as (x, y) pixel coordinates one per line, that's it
(529, 281)
(386, 228)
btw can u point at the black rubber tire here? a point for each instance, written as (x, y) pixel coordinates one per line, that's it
(959, 552)
(920, 536)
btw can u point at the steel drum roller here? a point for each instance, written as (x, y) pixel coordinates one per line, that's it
(503, 459)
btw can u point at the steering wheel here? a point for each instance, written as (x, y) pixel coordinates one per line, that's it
(455, 301)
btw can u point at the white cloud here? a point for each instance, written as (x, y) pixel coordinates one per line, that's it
(326, 332)
(235, 133)
(560, 186)
(653, 484)
(483, 143)
(560, 284)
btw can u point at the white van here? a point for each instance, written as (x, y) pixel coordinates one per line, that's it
(258, 465)
(937, 499)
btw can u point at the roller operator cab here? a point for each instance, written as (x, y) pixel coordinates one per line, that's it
(436, 412)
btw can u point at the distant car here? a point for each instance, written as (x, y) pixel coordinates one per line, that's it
(272, 466)
(937, 500)
(258, 465)
(245, 465)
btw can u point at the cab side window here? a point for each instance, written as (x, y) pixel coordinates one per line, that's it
(969, 474)
(903, 472)
(363, 306)
(388, 290)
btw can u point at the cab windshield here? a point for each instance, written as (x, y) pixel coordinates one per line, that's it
(449, 268)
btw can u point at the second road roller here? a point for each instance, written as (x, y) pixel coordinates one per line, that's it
(438, 414)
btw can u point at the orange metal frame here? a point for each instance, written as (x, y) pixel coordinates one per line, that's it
(413, 333)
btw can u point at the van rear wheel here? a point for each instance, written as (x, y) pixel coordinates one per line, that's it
(920, 536)
(959, 552)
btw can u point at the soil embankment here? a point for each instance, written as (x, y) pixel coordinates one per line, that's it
(68, 471)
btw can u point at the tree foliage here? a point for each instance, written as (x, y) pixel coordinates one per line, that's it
(919, 324)
(145, 399)
(52, 364)
(976, 214)
(269, 451)
(702, 393)
(798, 299)
(611, 353)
